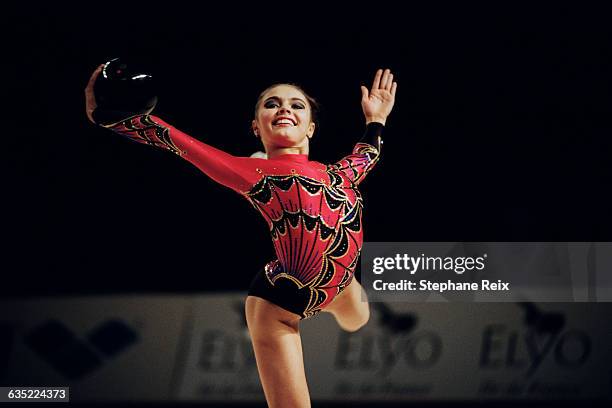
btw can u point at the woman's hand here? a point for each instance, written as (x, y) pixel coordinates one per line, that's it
(90, 98)
(378, 102)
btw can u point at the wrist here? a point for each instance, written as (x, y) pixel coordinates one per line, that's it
(378, 119)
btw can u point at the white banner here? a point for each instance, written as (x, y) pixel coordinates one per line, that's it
(219, 364)
(111, 348)
(416, 352)
(197, 348)
(463, 352)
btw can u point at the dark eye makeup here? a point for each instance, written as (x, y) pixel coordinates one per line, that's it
(273, 104)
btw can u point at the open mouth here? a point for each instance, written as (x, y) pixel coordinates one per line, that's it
(282, 122)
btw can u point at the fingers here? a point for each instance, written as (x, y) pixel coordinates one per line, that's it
(364, 93)
(385, 79)
(376, 83)
(389, 82)
(90, 99)
(94, 76)
(393, 89)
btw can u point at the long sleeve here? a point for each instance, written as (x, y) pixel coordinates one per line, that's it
(230, 171)
(365, 154)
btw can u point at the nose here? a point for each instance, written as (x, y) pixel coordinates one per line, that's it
(283, 109)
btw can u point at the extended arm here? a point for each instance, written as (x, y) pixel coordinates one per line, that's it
(233, 172)
(377, 104)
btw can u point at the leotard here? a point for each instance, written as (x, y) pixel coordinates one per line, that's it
(313, 210)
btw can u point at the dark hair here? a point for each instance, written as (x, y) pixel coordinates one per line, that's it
(314, 105)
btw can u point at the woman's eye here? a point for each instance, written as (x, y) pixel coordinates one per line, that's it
(298, 106)
(270, 105)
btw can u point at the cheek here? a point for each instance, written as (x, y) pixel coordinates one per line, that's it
(265, 116)
(305, 119)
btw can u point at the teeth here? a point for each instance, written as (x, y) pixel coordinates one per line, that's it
(284, 122)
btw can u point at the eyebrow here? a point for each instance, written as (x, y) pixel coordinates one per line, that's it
(278, 99)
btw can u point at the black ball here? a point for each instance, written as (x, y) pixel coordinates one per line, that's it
(121, 91)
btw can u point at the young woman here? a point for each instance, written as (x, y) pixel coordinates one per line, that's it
(313, 212)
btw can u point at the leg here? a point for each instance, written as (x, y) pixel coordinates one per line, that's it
(278, 352)
(350, 311)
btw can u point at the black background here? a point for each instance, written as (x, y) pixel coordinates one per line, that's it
(500, 132)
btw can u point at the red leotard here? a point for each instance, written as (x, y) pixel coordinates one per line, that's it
(313, 210)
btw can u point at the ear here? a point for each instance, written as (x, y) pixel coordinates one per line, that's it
(254, 128)
(311, 129)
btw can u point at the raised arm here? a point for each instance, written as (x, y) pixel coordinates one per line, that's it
(377, 104)
(231, 171)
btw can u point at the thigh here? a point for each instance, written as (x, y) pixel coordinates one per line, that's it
(278, 352)
(351, 300)
(350, 307)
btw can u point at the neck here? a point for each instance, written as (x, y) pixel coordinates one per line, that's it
(286, 150)
(274, 151)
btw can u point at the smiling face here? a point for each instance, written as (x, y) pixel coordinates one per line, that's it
(284, 119)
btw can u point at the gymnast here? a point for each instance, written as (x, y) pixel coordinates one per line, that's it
(313, 212)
